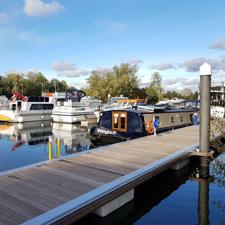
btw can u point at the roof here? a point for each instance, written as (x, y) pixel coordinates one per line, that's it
(130, 100)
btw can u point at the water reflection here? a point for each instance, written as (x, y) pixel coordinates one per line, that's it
(26, 133)
(27, 143)
(72, 136)
(191, 196)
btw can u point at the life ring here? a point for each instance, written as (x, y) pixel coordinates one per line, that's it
(150, 127)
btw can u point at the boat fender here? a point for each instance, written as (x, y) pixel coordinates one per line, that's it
(156, 123)
(150, 127)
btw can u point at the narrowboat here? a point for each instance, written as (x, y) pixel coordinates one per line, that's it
(124, 124)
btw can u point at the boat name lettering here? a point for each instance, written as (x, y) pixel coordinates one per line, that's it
(105, 131)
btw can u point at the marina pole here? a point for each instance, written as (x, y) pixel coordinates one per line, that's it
(205, 86)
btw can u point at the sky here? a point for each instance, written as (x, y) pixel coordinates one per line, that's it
(67, 39)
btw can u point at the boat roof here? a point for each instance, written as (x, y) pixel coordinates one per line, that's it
(145, 111)
(130, 100)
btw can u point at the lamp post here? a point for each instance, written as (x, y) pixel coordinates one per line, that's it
(109, 98)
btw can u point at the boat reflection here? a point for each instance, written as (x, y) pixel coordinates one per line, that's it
(34, 142)
(31, 133)
(68, 138)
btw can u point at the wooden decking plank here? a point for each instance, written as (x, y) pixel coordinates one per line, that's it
(101, 165)
(127, 157)
(160, 148)
(20, 207)
(114, 162)
(133, 151)
(46, 187)
(32, 195)
(72, 176)
(167, 143)
(9, 216)
(85, 171)
(59, 180)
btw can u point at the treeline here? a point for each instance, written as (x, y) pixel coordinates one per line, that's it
(102, 84)
(123, 80)
(28, 84)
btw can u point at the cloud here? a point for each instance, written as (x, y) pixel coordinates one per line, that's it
(68, 69)
(111, 26)
(32, 37)
(180, 83)
(40, 8)
(135, 61)
(79, 85)
(219, 44)
(164, 66)
(193, 65)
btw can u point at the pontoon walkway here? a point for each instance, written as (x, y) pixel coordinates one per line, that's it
(63, 191)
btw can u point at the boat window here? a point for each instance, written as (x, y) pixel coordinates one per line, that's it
(36, 107)
(13, 107)
(115, 120)
(41, 106)
(123, 121)
(19, 105)
(181, 119)
(172, 121)
(119, 121)
(48, 106)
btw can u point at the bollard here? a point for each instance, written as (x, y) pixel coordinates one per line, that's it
(205, 86)
(154, 128)
(58, 148)
(50, 150)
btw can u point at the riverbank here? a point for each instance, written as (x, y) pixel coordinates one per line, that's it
(217, 134)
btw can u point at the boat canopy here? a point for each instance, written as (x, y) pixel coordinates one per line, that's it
(74, 95)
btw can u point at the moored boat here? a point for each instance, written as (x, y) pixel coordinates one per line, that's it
(26, 109)
(124, 124)
(75, 108)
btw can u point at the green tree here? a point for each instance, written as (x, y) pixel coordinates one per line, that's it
(120, 80)
(154, 91)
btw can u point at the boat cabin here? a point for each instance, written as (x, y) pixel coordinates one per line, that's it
(32, 103)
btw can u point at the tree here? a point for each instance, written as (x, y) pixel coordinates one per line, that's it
(32, 83)
(120, 80)
(154, 91)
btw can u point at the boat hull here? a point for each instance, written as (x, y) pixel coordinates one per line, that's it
(73, 118)
(23, 116)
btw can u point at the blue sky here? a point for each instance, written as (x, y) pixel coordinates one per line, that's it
(67, 39)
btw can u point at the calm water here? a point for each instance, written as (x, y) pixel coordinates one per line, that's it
(184, 197)
(24, 144)
(174, 198)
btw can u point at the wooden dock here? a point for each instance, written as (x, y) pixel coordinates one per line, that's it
(62, 191)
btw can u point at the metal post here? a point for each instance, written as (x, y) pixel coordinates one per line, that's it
(205, 86)
(58, 148)
(50, 150)
(203, 197)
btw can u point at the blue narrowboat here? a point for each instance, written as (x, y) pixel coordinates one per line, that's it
(123, 124)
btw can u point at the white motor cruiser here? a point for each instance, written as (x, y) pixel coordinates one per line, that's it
(75, 108)
(26, 109)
